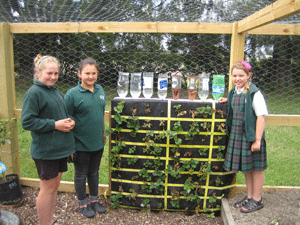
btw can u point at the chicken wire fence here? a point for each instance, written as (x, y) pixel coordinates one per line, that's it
(275, 61)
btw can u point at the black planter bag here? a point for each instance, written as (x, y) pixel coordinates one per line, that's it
(10, 191)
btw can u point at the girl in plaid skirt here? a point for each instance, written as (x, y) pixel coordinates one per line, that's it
(246, 150)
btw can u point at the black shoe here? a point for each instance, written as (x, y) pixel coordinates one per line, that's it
(87, 212)
(97, 207)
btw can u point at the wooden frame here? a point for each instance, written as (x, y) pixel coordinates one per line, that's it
(257, 24)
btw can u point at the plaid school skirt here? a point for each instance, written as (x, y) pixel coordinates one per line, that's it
(239, 156)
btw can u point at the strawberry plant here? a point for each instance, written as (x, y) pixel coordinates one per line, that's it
(116, 200)
(132, 161)
(193, 131)
(177, 127)
(220, 152)
(202, 151)
(134, 124)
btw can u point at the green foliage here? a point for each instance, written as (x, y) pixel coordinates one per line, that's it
(205, 111)
(178, 141)
(161, 136)
(4, 132)
(116, 200)
(114, 156)
(132, 161)
(174, 172)
(193, 131)
(202, 151)
(206, 126)
(133, 194)
(158, 162)
(134, 124)
(146, 202)
(220, 152)
(190, 165)
(148, 164)
(218, 182)
(175, 199)
(119, 109)
(132, 150)
(177, 127)
(205, 170)
(145, 175)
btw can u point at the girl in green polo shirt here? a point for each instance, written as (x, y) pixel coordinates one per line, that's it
(86, 105)
(44, 113)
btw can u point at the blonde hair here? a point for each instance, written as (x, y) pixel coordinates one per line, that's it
(40, 62)
(241, 65)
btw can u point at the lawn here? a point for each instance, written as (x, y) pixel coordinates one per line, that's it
(282, 149)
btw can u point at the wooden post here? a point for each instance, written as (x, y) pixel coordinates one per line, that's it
(9, 153)
(236, 54)
(236, 50)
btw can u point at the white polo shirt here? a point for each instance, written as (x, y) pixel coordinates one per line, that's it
(259, 104)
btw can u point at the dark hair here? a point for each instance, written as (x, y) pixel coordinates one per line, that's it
(87, 61)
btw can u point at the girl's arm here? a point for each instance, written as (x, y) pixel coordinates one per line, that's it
(260, 126)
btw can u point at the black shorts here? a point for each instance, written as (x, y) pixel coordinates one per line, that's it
(49, 169)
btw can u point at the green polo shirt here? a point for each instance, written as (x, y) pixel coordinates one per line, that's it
(42, 106)
(87, 109)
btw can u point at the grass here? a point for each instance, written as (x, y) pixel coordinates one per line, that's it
(28, 168)
(282, 151)
(283, 156)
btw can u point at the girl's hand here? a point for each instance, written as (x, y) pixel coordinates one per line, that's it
(255, 146)
(65, 125)
(222, 100)
(104, 139)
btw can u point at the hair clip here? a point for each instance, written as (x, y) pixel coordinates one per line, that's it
(246, 65)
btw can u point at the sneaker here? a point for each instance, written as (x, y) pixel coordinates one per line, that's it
(87, 212)
(97, 207)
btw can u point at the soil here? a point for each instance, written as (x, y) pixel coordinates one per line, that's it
(67, 213)
(280, 207)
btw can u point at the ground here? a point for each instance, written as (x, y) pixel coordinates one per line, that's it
(67, 213)
(280, 207)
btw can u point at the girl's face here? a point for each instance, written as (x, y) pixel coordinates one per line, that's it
(240, 78)
(88, 76)
(48, 75)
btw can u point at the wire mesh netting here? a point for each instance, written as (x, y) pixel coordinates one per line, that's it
(129, 10)
(275, 61)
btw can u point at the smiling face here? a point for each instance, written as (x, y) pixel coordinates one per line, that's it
(88, 76)
(240, 77)
(48, 75)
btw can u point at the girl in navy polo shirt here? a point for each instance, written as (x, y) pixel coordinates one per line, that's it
(86, 105)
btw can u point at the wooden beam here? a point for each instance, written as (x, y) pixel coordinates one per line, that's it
(236, 50)
(65, 186)
(283, 120)
(18, 112)
(271, 120)
(243, 189)
(121, 27)
(195, 28)
(276, 29)
(274, 12)
(9, 152)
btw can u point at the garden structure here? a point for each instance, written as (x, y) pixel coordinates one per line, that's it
(259, 23)
(168, 154)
